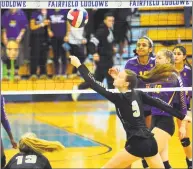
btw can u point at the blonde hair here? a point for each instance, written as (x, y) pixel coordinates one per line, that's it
(30, 142)
(159, 72)
(168, 54)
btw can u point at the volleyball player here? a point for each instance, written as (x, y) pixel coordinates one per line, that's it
(30, 155)
(163, 123)
(141, 64)
(6, 126)
(186, 75)
(129, 106)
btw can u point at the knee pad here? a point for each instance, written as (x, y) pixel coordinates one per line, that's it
(3, 161)
(185, 142)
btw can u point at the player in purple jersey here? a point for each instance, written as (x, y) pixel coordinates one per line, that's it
(6, 126)
(141, 64)
(162, 123)
(186, 75)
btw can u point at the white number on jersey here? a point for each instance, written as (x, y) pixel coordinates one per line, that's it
(28, 159)
(135, 108)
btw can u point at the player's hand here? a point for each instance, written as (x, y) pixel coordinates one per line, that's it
(84, 41)
(50, 34)
(113, 72)
(66, 39)
(96, 57)
(75, 61)
(5, 41)
(188, 119)
(14, 144)
(182, 132)
(18, 40)
(46, 22)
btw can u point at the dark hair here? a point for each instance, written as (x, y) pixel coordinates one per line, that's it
(150, 44)
(149, 40)
(158, 73)
(108, 14)
(183, 50)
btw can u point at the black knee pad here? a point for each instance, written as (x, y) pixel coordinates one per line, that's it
(185, 142)
(3, 161)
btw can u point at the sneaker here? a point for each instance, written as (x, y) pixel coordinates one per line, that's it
(75, 96)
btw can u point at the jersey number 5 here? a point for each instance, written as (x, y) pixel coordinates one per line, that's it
(28, 159)
(135, 108)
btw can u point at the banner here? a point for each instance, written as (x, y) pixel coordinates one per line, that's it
(91, 4)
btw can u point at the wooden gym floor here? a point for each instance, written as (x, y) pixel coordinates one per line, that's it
(89, 132)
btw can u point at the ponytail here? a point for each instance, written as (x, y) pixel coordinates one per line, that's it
(159, 72)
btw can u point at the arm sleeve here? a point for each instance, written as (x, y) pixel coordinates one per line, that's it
(97, 86)
(160, 104)
(4, 119)
(94, 41)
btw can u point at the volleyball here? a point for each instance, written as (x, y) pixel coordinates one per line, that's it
(77, 17)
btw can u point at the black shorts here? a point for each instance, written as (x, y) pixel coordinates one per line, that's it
(165, 123)
(142, 147)
(147, 113)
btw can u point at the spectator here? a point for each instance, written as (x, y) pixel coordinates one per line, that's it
(39, 43)
(101, 47)
(77, 43)
(58, 31)
(14, 23)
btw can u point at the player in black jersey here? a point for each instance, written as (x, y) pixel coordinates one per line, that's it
(129, 105)
(30, 155)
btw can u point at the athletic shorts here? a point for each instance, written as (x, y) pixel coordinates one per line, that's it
(165, 123)
(142, 147)
(147, 113)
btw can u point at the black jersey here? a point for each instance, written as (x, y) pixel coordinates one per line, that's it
(129, 105)
(30, 160)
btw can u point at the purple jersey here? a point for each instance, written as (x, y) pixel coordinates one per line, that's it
(170, 97)
(134, 65)
(14, 23)
(58, 19)
(4, 120)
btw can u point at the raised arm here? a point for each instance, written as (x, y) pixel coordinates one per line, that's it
(95, 85)
(160, 104)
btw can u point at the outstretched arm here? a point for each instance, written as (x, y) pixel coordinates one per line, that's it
(156, 102)
(89, 78)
